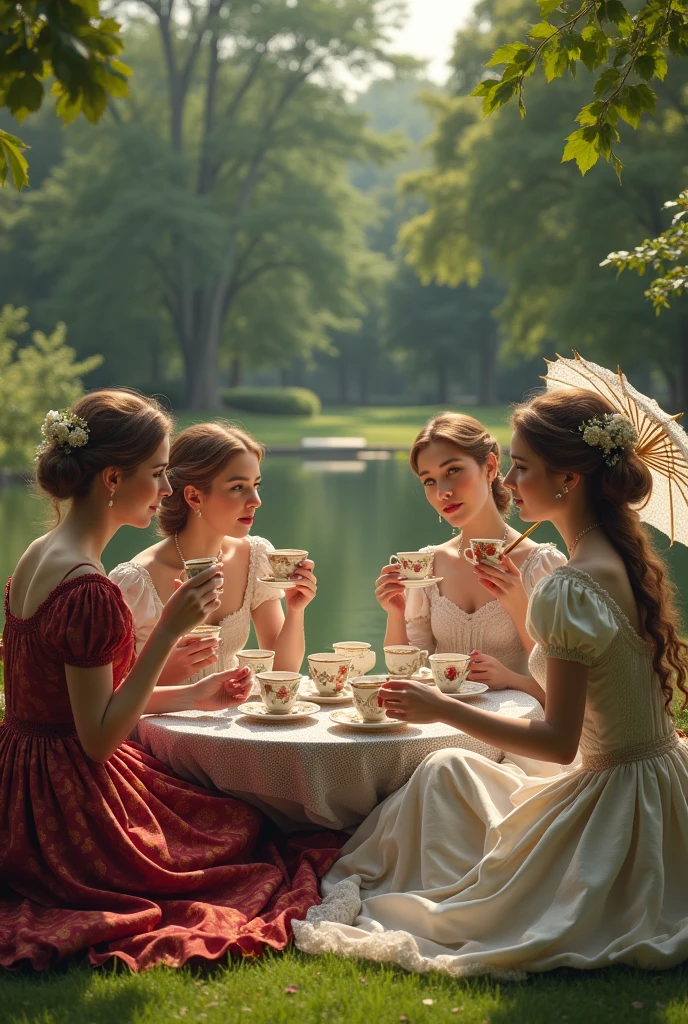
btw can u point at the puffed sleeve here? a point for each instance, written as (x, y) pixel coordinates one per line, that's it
(140, 596)
(89, 624)
(569, 620)
(261, 593)
(417, 615)
(541, 562)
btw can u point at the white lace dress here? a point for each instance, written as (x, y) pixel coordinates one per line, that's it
(144, 602)
(434, 623)
(474, 868)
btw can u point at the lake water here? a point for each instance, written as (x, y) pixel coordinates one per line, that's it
(350, 516)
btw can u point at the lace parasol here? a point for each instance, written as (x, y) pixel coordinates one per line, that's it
(662, 443)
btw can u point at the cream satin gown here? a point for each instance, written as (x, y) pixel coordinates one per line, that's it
(476, 868)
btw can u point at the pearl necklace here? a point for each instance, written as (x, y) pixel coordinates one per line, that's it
(181, 556)
(594, 526)
(460, 551)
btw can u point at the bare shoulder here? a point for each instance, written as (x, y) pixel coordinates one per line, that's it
(157, 555)
(523, 552)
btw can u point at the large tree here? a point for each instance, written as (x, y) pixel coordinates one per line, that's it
(220, 208)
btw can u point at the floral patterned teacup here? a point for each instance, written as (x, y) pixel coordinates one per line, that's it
(485, 549)
(279, 691)
(195, 565)
(413, 565)
(257, 661)
(329, 672)
(365, 690)
(403, 661)
(450, 671)
(283, 562)
(362, 657)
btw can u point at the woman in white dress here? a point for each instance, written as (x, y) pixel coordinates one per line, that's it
(457, 462)
(473, 867)
(214, 471)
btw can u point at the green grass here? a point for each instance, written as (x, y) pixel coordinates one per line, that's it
(383, 424)
(339, 992)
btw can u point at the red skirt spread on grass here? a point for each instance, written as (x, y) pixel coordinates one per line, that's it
(123, 859)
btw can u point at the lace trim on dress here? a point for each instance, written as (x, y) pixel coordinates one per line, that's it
(633, 636)
(640, 752)
(320, 933)
(536, 553)
(568, 654)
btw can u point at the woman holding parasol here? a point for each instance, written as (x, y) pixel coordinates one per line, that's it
(512, 874)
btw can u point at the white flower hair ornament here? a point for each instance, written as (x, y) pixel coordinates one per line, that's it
(62, 430)
(613, 433)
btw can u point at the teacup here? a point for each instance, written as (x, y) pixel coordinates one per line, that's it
(283, 562)
(329, 672)
(450, 671)
(279, 690)
(486, 549)
(413, 565)
(206, 632)
(403, 661)
(195, 565)
(362, 657)
(365, 690)
(257, 661)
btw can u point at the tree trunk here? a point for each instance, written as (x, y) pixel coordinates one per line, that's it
(343, 377)
(487, 367)
(236, 373)
(442, 385)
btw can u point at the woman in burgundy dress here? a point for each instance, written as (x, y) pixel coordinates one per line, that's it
(102, 849)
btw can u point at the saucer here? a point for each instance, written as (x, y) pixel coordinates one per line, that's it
(424, 675)
(470, 690)
(257, 710)
(270, 581)
(309, 691)
(429, 581)
(350, 717)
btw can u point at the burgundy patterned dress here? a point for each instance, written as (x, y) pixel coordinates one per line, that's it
(123, 859)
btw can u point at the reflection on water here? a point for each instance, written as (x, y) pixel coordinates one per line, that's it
(350, 522)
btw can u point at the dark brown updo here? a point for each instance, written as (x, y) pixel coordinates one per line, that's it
(199, 454)
(549, 424)
(471, 437)
(124, 429)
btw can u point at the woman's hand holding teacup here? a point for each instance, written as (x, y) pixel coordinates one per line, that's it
(488, 670)
(298, 597)
(389, 591)
(192, 602)
(413, 702)
(222, 689)
(506, 584)
(187, 658)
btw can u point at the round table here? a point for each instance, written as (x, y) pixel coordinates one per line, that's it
(312, 771)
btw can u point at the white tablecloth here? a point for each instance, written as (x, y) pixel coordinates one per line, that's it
(312, 771)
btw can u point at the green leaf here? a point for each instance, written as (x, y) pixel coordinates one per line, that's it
(541, 31)
(583, 146)
(644, 65)
(616, 12)
(12, 159)
(508, 53)
(24, 96)
(607, 82)
(590, 113)
(554, 61)
(547, 6)
(617, 165)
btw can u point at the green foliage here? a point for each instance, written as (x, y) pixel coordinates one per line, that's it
(499, 197)
(273, 401)
(69, 42)
(623, 45)
(34, 378)
(669, 247)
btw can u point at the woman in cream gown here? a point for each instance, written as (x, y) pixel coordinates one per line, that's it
(214, 471)
(473, 867)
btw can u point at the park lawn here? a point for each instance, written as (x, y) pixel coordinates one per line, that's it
(292, 987)
(396, 425)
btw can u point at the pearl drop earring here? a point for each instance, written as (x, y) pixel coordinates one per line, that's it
(439, 518)
(198, 512)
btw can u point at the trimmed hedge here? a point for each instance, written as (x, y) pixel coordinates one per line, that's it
(273, 401)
